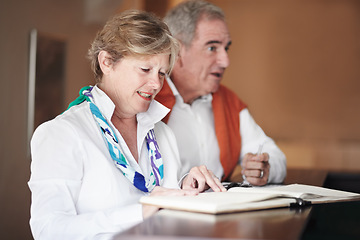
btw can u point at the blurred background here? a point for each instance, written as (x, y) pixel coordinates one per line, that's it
(294, 62)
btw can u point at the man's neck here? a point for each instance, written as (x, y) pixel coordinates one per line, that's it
(187, 95)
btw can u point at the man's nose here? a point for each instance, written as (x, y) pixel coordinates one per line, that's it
(223, 59)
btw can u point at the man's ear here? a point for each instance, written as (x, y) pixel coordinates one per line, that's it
(105, 63)
(182, 51)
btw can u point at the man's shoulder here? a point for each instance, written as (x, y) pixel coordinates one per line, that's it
(224, 89)
(166, 96)
(229, 96)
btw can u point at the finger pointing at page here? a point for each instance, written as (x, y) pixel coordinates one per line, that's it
(202, 179)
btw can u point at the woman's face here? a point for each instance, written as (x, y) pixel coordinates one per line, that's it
(133, 82)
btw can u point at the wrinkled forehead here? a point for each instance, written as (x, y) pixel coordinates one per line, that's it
(212, 30)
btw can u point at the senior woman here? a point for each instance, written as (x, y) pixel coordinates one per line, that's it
(91, 164)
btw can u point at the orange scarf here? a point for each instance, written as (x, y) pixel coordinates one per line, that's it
(226, 107)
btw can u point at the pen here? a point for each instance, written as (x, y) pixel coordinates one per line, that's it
(259, 152)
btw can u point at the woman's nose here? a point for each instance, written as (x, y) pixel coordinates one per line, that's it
(155, 81)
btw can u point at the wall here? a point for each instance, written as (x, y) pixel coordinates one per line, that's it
(296, 64)
(67, 19)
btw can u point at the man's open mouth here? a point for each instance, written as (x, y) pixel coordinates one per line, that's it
(217, 74)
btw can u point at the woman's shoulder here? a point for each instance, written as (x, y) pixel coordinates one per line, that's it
(166, 140)
(72, 118)
(163, 131)
(78, 114)
(162, 127)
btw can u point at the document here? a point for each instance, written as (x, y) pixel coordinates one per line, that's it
(238, 199)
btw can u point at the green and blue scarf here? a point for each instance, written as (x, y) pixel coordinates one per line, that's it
(137, 179)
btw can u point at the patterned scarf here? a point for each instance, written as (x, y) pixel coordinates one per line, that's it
(139, 181)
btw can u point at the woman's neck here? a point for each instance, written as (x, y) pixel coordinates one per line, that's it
(128, 130)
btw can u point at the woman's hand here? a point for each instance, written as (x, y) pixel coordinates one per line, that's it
(149, 210)
(198, 180)
(201, 179)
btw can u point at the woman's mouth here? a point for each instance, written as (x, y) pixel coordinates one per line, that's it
(146, 96)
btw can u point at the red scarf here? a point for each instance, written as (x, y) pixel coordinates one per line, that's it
(226, 107)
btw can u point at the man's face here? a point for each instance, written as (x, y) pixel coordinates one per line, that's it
(203, 63)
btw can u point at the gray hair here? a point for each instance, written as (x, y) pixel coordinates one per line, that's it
(183, 18)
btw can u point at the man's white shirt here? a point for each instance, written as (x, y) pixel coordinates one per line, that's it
(193, 126)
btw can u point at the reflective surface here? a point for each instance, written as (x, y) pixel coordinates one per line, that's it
(325, 221)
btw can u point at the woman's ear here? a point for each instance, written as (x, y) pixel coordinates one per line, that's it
(105, 63)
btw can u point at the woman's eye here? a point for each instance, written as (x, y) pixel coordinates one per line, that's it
(162, 75)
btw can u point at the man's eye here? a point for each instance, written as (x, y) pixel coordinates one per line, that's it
(227, 49)
(212, 48)
(145, 69)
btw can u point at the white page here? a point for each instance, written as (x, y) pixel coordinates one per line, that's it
(245, 199)
(306, 192)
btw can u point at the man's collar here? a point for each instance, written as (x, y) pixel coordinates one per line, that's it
(176, 93)
(172, 86)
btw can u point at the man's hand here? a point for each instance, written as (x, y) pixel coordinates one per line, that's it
(201, 178)
(256, 168)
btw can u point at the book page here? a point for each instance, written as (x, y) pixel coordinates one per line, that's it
(219, 202)
(319, 194)
(211, 202)
(306, 192)
(239, 199)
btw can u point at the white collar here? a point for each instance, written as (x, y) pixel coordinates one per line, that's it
(147, 119)
(179, 98)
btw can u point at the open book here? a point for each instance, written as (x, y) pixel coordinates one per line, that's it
(240, 199)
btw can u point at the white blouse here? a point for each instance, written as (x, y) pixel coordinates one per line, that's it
(77, 191)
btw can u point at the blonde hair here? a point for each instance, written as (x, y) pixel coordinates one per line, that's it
(133, 33)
